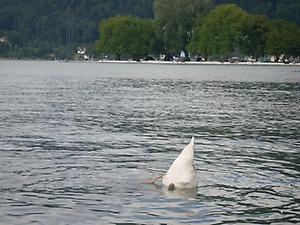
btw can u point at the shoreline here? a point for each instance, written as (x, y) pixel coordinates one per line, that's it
(156, 62)
(196, 63)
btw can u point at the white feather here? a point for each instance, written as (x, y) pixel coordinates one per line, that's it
(182, 172)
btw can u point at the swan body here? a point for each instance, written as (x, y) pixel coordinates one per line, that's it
(182, 173)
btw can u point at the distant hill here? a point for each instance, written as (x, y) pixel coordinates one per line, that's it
(37, 28)
(279, 9)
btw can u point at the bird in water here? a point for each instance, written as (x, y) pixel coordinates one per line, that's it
(182, 173)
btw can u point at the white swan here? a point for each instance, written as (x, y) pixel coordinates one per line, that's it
(182, 173)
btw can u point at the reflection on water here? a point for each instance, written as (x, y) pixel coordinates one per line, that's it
(181, 193)
(188, 193)
(77, 141)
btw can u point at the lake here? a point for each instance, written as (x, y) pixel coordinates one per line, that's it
(77, 140)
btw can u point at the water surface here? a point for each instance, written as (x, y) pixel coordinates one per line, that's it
(78, 139)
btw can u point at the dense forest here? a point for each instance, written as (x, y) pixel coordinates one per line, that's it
(42, 29)
(274, 9)
(35, 28)
(184, 30)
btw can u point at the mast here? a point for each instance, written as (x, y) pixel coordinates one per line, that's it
(68, 33)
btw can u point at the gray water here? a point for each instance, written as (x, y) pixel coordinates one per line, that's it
(77, 140)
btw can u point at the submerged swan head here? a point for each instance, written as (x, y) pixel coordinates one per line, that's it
(182, 173)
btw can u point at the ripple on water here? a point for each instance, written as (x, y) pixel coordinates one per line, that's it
(75, 146)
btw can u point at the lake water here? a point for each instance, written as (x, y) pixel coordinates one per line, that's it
(77, 140)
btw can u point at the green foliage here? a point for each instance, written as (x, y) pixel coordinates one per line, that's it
(126, 36)
(4, 49)
(283, 38)
(175, 19)
(41, 25)
(280, 9)
(37, 29)
(220, 32)
(228, 30)
(254, 35)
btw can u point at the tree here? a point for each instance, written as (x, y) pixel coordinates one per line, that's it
(255, 34)
(175, 19)
(283, 38)
(219, 33)
(124, 36)
(279, 9)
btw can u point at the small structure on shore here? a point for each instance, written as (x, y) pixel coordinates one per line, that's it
(81, 54)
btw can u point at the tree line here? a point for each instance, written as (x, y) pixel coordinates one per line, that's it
(198, 28)
(37, 29)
